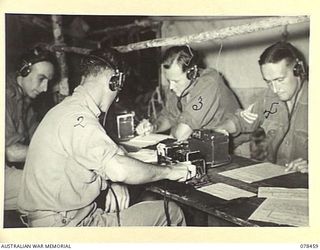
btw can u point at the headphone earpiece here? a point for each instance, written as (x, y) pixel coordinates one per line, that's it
(25, 68)
(116, 81)
(299, 69)
(31, 57)
(193, 73)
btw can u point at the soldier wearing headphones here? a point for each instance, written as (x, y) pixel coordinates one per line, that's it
(196, 97)
(282, 112)
(71, 160)
(33, 74)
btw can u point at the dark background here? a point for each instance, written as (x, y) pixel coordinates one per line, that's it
(26, 31)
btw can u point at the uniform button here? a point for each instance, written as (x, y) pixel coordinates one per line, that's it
(64, 221)
(287, 143)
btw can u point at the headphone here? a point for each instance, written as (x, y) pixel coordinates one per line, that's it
(31, 57)
(193, 72)
(299, 69)
(117, 79)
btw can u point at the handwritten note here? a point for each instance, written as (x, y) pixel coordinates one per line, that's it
(256, 172)
(225, 191)
(283, 212)
(284, 206)
(142, 141)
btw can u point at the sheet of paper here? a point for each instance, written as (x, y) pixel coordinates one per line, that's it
(146, 140)
(256, 172)
(283, 193)
(225, 191)
(145, 155)
(283, 211)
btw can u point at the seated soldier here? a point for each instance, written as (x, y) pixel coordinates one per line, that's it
(282, 112)
(71, 160)
(196, 98)
(34, 72)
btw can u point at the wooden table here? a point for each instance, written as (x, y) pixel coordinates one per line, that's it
(231, 213)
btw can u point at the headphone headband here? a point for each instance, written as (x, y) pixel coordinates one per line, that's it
(32, 57)
(193, 72)
(117, 79)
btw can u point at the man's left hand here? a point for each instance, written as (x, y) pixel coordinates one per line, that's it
(298, 165)
(122, 195)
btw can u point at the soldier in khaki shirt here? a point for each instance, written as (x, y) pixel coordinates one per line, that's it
(196, 98)
(282, 112)
(33, 74)
(71, 160)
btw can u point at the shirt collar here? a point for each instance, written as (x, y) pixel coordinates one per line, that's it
(87, 99)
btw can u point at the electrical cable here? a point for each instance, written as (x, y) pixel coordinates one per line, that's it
(116, 199)
(166, 206)
(183, 94)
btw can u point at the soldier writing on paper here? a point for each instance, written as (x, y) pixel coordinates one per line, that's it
(196, 97)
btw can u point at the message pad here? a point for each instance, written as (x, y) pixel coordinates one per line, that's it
(257, 172)
(283, 212)
(225, 191)
(284, 206)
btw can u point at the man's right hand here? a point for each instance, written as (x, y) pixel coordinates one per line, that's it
(144, 127)
(182, 171)
(248, 116)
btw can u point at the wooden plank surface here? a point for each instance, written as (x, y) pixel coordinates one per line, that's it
(236, 211)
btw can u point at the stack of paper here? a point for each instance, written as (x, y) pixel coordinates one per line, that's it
(225, 191)
(257, 172)
(284, 206)
(142, 141)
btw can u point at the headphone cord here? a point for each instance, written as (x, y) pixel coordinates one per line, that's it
(116, 199)
(166, 206)
(183, 94)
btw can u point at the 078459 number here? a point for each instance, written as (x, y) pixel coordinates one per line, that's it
(309, 246)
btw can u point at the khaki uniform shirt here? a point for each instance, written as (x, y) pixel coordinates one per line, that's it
(67, 163)
(287, 133)
(206, 105)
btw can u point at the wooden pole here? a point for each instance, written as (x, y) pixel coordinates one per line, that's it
(63, 85)
(223, 33)
(267, 23)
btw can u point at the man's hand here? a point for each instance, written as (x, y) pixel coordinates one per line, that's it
(122, 195)
(182, 171)
(144, 127)
(298, 165)
(248, 116)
